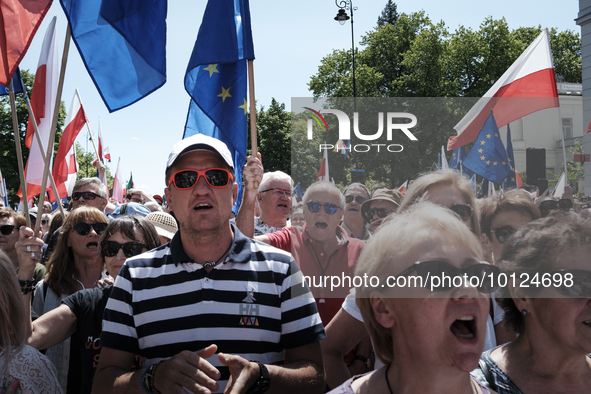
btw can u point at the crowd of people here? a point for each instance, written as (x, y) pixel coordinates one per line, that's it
(173, 294)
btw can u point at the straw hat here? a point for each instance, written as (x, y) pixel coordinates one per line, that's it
(164, 222)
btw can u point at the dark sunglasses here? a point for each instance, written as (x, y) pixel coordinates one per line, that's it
(7, 229)
(464, 211)
(358, 199)
(44, 221)
(581, 283)
(86, 195)
(84, 228)
(483, 271)
(130, 249)
(329, 208)
(381, 212)
(503, 233)
(550, 205)
(187, 179)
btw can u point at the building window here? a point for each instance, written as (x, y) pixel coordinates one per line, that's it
(567, 127)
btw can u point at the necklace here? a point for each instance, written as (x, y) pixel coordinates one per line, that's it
(209, 264)
(388, 380)
(82, 284)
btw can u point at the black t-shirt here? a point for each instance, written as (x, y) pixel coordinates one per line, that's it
(88, 306)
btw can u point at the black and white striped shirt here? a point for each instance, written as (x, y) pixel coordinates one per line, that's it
(251, 305)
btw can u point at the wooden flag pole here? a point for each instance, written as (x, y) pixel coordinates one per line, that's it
(56, 112)
(51, 180)
(253, 112)
(19, 152)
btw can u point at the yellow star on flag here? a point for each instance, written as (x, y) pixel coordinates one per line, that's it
(225, 94)
(487, 162)
(504, 163)
(482, 142)
(480, 150)
(481, 157)
(495, 163)
(488, 136)
(244, 106)
(212, 68)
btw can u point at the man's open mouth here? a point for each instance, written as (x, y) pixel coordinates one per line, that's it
(464, 327)
(202, 207)
(321, 225)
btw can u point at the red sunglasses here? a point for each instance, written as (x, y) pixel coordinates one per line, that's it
(187, 179)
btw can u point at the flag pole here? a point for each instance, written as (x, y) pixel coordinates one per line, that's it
(89, 131)
(19, 152)
(253, 112)
(563, 144)
(56, 111)
(36, 130)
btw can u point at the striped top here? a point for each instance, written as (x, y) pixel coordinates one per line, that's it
(253, 305)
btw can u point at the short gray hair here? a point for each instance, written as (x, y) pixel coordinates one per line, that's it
(324, 186)
(268, 177)
(102, 188)
(357, 185)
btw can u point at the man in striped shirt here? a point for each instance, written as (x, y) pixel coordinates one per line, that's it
(210, 290)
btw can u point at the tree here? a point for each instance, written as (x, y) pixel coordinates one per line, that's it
(8, 159)
(85, 167)
(389, 14)
(274, 137)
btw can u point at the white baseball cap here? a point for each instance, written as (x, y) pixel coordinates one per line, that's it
(196, 142)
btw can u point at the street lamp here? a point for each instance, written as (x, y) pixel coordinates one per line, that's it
(342, 17)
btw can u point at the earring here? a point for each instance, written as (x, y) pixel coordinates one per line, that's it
(524, 312)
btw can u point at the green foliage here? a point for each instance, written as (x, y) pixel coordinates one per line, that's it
(8, 158)
(389, 14)
(85, 167)
(274, 137)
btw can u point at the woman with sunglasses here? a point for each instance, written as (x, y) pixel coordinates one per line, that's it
(428, 340)
(445, 188)
(82, 312)
(74, 265)
(552, 315)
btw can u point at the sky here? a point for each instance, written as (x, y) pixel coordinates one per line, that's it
(290, 39)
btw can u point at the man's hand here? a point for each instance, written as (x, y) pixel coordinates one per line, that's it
(252, 173)
(190, 370)
(28, 249)
(243, 373)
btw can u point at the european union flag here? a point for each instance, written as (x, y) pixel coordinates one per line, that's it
(216, 78)
(458, 156)
(297, 191)
(510, 182)
(16, 85)
(488, 157)
(122, 44)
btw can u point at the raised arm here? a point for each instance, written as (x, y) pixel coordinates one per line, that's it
(252, 175)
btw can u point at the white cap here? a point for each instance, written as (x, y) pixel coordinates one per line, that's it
(199, 141)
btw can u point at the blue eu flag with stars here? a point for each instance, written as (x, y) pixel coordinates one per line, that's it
(488, 157)
(216, 79)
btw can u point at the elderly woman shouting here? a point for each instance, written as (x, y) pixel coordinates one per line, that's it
(549, 307)
(429, 340)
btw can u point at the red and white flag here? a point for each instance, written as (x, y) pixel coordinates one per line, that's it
(560, 186)
(42, 103)
(323, 172)
(529, 85)
(19, 22)
(107, 154)
(62, 167)
(402, 188)
(118, 184)
(103, 178)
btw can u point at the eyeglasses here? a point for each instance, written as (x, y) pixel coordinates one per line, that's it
(329, 208)
(279, 192)
(550, 205)
(7, 229)
(86, 195)
(440, 269)
(464, 211)
(580, 286)
(381, 212)
(84, 228)
(44, 221)
(130, 249)
(187, 179)
(359, 199)
(503, 233)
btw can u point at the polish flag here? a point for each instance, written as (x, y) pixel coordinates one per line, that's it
(107, 154)
(62, 168)
(323, 172)
(118, 184)
(560, 185)
(519, 181)
(100, 151)
(19, 22)
(444, 164)
(402, 188)
(529, 85)
(42, 103)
